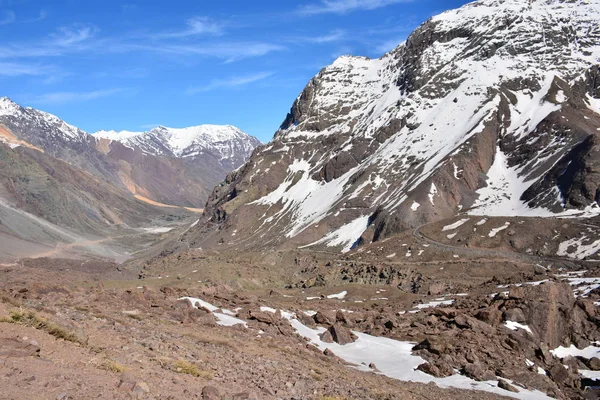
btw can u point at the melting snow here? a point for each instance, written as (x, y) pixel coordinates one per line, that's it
(340, 295)
(588, 352)
(495, 231)
(455, 225)
(515, 325)
(439, 302)
(394, 359)
(580, 250)
(224, 319)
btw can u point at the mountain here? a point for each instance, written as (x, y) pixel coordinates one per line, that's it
(227, 145)
(492, 108)
(169, 176)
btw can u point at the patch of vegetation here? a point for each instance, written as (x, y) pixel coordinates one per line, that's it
(29, 318)
(185, 367)
(112, 366)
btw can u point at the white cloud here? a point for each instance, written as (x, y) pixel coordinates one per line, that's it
(196, 26)
(231, 82)
(333, 36)
(69, 97)
(229, 51)
(345, 6)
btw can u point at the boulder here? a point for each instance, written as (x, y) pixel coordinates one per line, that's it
(210, 393)
(341, 335)
(325, 317)
(478, 372)
(515, 315)
(594, 364)
(502, 384)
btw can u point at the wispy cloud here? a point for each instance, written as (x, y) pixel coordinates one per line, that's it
(8, 17)
(13, 69)
(231, 82)
(333, 36)
(196, 26)
(345, 6)
(65, 40)
(228, 51)
(69, 97)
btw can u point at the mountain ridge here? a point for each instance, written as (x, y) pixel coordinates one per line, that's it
(162, 177)
(487, 82)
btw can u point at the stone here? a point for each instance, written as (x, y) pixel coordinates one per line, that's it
(502, 384)
(341, 335)
(594, 364)
(515, 315)
(210, 393)
(478, 372)
(141, 389)
(325, 318)
(327, 337)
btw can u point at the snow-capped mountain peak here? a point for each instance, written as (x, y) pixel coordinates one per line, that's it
(222, 141)
(381, 145)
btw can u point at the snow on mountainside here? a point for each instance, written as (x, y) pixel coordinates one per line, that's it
(373, 147)
(226, 142)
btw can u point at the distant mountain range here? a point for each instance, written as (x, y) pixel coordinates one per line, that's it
(55, 172)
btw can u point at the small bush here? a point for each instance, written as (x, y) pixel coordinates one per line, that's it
(184, 367)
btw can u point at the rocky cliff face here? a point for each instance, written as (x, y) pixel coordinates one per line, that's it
(179, 172)
(493, 108)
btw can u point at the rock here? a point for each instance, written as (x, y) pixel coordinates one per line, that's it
(515, 315)
(478, 372)
(438, 369)
(260, 316)
(502, 384)
(210, 393)
(490, 315)
(594, 364)
(327, 337)
(284, 327)
(558, 373)
(62, 396)
(325, 318)
(341, 335)
(306, 320)
(141, 389)
(14, 348)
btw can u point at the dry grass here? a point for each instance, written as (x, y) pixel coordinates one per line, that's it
(185, 367)
(29, 318)
(112, 366)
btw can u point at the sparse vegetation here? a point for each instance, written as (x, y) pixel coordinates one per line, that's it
(29, 318)
(112, 366)
(185, 367)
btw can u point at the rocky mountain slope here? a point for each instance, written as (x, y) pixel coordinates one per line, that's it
(493, 108)
(169, 176)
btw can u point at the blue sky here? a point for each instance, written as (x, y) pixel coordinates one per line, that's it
(133, 65)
